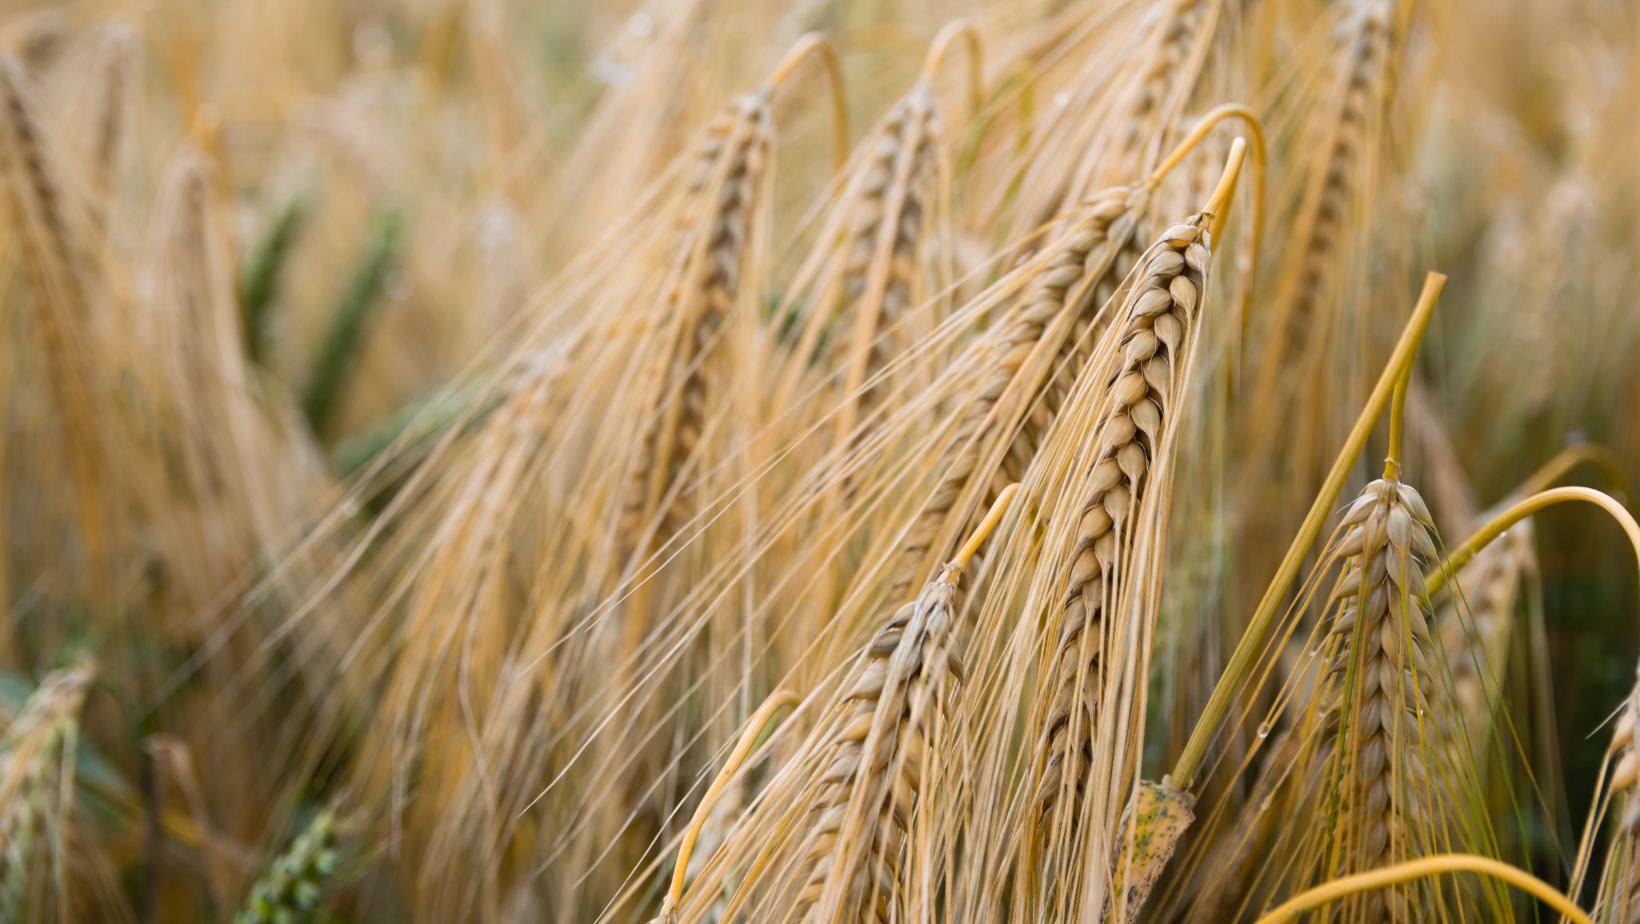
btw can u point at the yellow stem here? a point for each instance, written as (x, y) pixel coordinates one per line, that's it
(953, 30)
(1219, 202)
(1418, 869)
(990, 522)
(1252, 641)
(1573, 456)
(1260, 162)
(1472, 546)
(1397, 413)
(815, 43)
(1219, 205)
(1205, 125)
(776, 701)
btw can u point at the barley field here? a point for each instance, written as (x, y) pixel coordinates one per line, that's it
(819, 461)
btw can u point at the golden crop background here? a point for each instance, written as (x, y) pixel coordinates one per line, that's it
(512, 462)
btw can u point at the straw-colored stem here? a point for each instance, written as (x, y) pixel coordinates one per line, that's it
(1219, 205)
(992, 517)
(815, 43)
(1261, 161)
(743, 748)
(1419, 869)
(1252, 642)
(1397, 414)
(953, 30)
(1464, 553)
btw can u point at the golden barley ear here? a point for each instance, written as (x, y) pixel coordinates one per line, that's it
(59, 272)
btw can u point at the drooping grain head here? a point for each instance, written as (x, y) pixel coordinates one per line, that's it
(1061, 316)
(882, 278)
(38, 747)
(1476, 628)
(880, 749)
(1306, 320)
(862, 297)
(1109, 125)
(58, 271)
(1620, 882)
(1142, 387)
(723, 198)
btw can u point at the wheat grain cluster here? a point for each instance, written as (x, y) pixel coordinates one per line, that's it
(819, 461)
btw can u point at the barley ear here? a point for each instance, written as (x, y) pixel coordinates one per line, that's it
(291, 889)
(1253, 640)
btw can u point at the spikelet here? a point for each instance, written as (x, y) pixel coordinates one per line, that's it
(37, 766)
(1476, 627)
(833, 827)
(1384, 634)
(1128, 465)
(116, 52)
(725, 190)
(1110, 122)
(879, 752)
(861, 295)
(670, 341)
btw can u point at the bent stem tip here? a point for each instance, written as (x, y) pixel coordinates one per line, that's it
(990, 522)
(959, 29)
(743, 748)
(815, 43)
(1218, 205)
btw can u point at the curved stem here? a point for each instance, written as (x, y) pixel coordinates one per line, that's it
(1418, 869)
(815, 43)
(1205, 125)
(1397, 413)
(1252, 641)
(1219, 204)
(1261, 161)
(1462, 555)
(776, 701)
(992, 518)
(950, 32)
(1573, 456)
